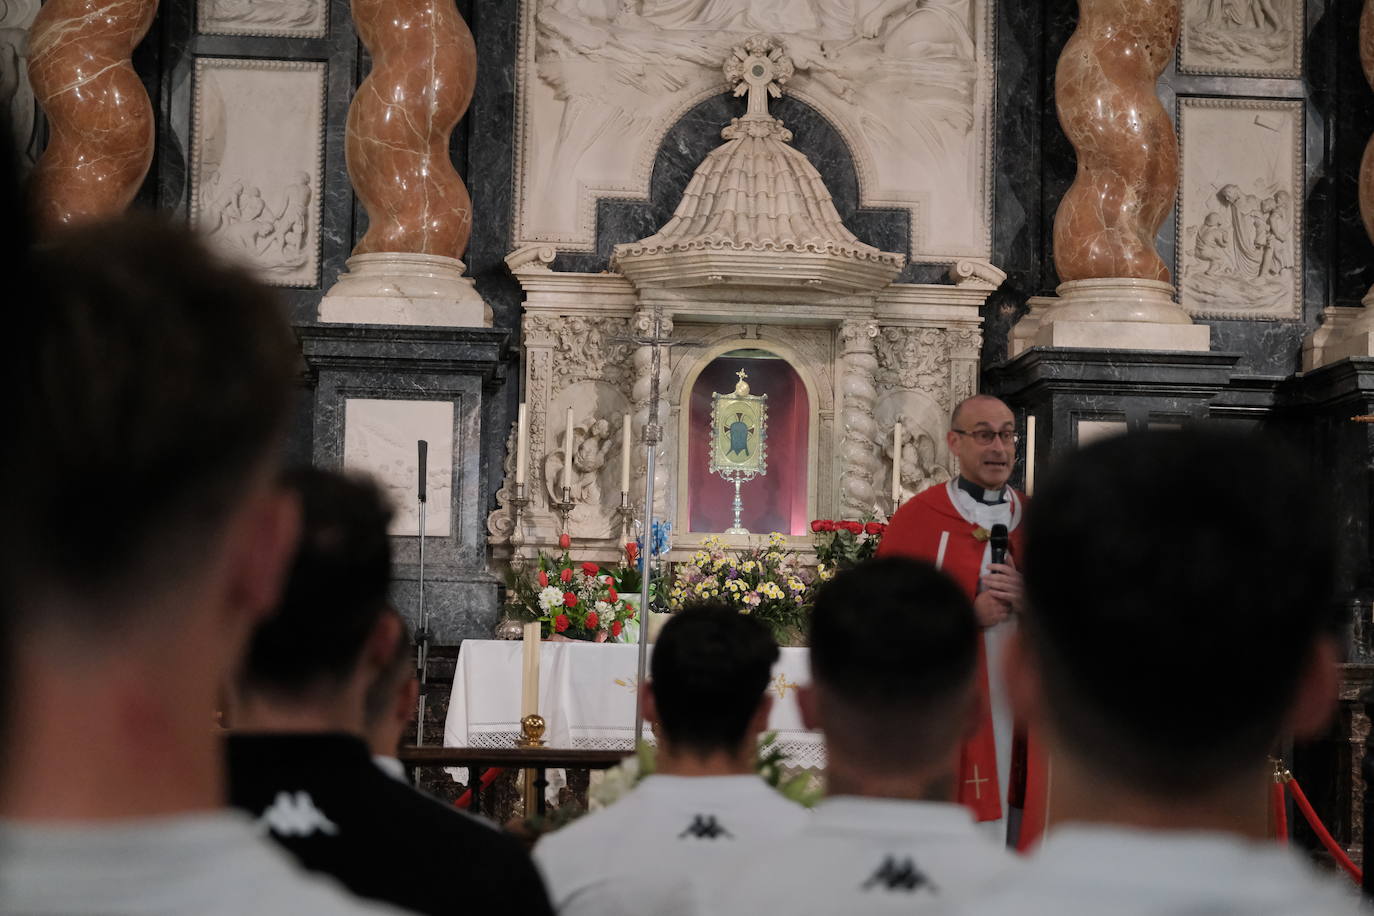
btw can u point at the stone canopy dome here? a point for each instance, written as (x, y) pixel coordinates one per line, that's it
(756, 212)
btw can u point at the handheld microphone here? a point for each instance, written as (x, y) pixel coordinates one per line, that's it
(997, 540)
(424, 462)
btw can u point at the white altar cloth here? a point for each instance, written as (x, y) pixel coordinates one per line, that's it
(587, 698)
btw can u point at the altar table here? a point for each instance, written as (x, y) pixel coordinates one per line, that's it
(587, 698)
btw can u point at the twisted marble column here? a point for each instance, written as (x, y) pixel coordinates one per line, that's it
(406, 269)
(859, 446)
(1347, 332)
(100, 120)
(1367, 161)
(1127, 151)
(1115, 292)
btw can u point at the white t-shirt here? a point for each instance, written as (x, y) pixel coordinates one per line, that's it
(628, 857)
(858, 855)
(211, 864)
(1131, 872)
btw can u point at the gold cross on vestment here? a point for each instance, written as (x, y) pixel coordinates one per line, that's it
(781, 684)
(977, 783)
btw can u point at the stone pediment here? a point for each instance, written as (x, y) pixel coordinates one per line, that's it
(756, 212)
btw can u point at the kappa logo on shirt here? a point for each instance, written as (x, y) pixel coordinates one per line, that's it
(295, 814)
(895, 876)
(705, 827)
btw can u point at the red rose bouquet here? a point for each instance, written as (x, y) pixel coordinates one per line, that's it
(842, 544)
(572, 600)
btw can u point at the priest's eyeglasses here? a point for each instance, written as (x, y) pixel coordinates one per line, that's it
(985, 436)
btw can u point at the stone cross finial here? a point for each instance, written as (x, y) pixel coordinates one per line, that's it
(759, 68)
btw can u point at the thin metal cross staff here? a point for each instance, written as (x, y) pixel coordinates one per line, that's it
(653, 434)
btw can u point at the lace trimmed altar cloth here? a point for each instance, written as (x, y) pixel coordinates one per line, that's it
(587, 699)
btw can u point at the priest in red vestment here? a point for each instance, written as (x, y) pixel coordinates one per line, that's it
(949, 525)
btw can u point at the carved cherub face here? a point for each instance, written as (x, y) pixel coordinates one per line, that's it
(1213, 219)
(601, 429)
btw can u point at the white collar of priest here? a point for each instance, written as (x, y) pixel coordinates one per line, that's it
(986, 497)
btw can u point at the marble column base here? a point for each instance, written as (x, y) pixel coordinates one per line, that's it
(405, 289)
(1344, 332)
(1110, 314)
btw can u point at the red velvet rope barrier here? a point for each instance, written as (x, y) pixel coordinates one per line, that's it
(1285, 778)
(1280, 813)
(489, 777)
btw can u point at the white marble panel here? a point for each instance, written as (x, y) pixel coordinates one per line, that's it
(287, 18)
(1090, 431)
(908, 86)
(381, 436)
(16, 95)
(1239, 219)
(1241, 37)
(256, 164)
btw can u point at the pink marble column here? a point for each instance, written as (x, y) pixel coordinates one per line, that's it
(1367, 163)
(423, 72)
(100, 119)
(1127, 150)
(406, 268)
(1115, 291)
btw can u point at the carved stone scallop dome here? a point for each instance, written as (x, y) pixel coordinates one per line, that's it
(756, 212)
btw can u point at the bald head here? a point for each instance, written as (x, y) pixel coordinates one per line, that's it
(981, 400)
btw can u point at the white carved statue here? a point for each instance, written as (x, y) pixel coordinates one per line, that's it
(920, 470)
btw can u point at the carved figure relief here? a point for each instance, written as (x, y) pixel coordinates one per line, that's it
(290, 18)
(601, 83)
(16, 94)
(1239, 248)
(256, 164)
(921, 468)
(914, 358)
(1242, 37)
(594, 440)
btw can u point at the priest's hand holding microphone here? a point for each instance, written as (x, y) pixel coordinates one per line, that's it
(1000, 592)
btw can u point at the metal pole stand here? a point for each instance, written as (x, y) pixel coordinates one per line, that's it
(518, 503)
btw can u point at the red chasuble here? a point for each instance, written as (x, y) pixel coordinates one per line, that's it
(915, 531)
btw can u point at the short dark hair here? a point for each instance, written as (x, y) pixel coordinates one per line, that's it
(1177, 584)
(156, 382)
(381, 693)
(335, 592)
(895, 641)
(709, 669)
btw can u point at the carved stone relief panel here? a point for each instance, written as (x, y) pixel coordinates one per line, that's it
(1239, 219)
(585, 347)
(925, 458)
(287, 18)
(915, 359)
(17, 101)
(908, 86)
(256, 173)
(380, 439)
(1241, 37)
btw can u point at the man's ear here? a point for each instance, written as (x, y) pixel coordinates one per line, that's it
(1314, 701)
(1022, 679)
(262, 548)
(646, 699)
(758, 723)
(380, 648)
(809, 706)
(407, 700)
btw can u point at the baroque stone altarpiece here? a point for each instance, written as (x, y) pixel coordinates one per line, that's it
(754, 258)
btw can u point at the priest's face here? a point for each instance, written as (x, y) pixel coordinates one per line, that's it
(986, 464)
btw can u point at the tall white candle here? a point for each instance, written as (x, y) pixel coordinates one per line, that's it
(896, 465)
(625, 455)
(522, 444)
(1030, 455)
(568, 450)
(529, 683)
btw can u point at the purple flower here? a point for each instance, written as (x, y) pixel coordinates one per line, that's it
(734, 573)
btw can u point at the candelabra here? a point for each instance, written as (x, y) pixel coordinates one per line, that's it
(564, 508)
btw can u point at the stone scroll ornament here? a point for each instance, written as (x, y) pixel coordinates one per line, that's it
(1127, 150)
(399, 124)
(100, 120)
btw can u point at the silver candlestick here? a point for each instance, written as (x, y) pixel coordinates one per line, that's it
(564, 508)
